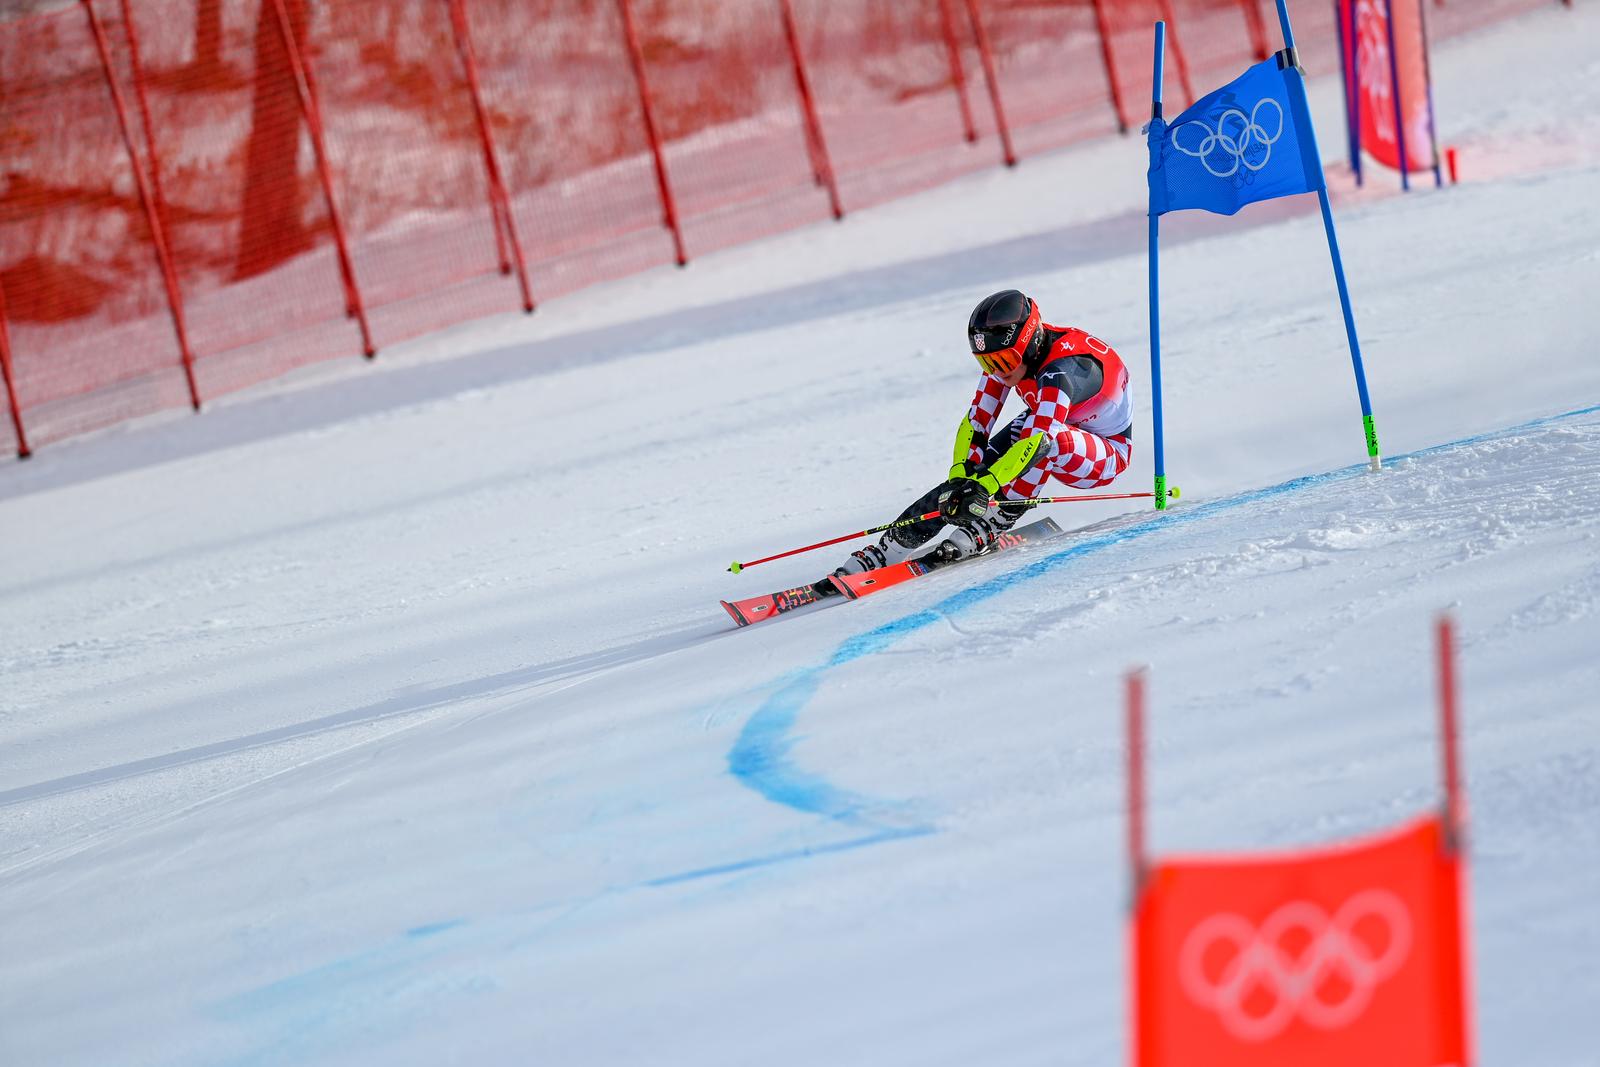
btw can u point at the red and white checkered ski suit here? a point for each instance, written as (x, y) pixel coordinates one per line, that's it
(1079, 399)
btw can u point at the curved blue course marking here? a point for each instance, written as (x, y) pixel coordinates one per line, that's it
(760, 759)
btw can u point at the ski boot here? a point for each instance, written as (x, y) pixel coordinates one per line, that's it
(976, 537)
(886, 551)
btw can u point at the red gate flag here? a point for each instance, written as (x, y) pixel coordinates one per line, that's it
(1323, 958)
(1368, 66)
(1345, 954)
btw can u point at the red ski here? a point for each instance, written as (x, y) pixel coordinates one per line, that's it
(767, 606)
(856, 586)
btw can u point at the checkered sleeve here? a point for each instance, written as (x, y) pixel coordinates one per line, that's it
(985, 411)
(1074, 456)
(1050, 419)
(987, 402)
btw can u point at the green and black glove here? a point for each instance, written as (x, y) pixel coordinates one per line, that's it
(963, 501)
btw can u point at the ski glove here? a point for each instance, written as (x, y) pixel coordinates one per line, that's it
(963, 501)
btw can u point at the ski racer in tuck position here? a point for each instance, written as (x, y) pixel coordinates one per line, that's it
(1077, 429)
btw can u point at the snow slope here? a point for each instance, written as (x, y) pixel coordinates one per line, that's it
(389, 717)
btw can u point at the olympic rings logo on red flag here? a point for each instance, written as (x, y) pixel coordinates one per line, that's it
(1320, 969)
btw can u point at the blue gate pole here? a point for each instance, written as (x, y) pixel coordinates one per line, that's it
(1348, 76)
(1355, 76)
(1427, 76)
(1302, 110)
(1394, 98)
(1156, 135)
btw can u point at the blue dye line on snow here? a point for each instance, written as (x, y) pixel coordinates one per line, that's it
(315, 999)
(775, 858)
(760, 759)
(431, 929)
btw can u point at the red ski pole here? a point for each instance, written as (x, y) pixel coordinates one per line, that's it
(1172, 494)
(736, 566)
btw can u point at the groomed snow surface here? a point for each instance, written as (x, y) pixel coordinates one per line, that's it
(387, 715)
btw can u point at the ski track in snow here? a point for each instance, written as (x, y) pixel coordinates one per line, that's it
(760, 758)
(381, 985)
(1466, 501)
(317, 753)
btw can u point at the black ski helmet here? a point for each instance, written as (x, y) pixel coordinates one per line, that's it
(1004, 331)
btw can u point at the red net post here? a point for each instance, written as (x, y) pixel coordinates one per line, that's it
(991, 75)
(813, 125)
(1103, 26)
(458, 29)
(505, 220)
(15, 406)
(163, 255)
(731, 122)
(669, 208)
(1258, 29)
(958, 76)
(881, 77)
(313, 119)
(143, 98)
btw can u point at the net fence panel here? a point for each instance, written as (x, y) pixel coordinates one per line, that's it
(1052, 77)
(888, 96)
(408, 165)
(729, 113)
(562, 99)
(1217, 47)
(215, 114)
(247, 223)
(91, 332)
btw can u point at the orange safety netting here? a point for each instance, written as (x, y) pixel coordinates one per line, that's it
(203, 194)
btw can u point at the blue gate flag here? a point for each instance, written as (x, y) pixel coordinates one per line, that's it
(1243, 143)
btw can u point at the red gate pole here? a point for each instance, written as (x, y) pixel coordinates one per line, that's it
(1449, 724)
(158, 235)
(669, 207)
(808, 105)
(23, 451)
(313, 117)
(1136, 842)
(499, 201)
(1104, 29)
(1454, 920)
(1258, 29)
(992, 75)
(142, 97)
(1177, 51)
(957, 73)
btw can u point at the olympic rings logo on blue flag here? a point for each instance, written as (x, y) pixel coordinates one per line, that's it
(1237, 145)
(1240, 139)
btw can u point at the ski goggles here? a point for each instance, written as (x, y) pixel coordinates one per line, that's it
(1000, 350)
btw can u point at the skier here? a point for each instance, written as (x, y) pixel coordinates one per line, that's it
(1077, 429)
